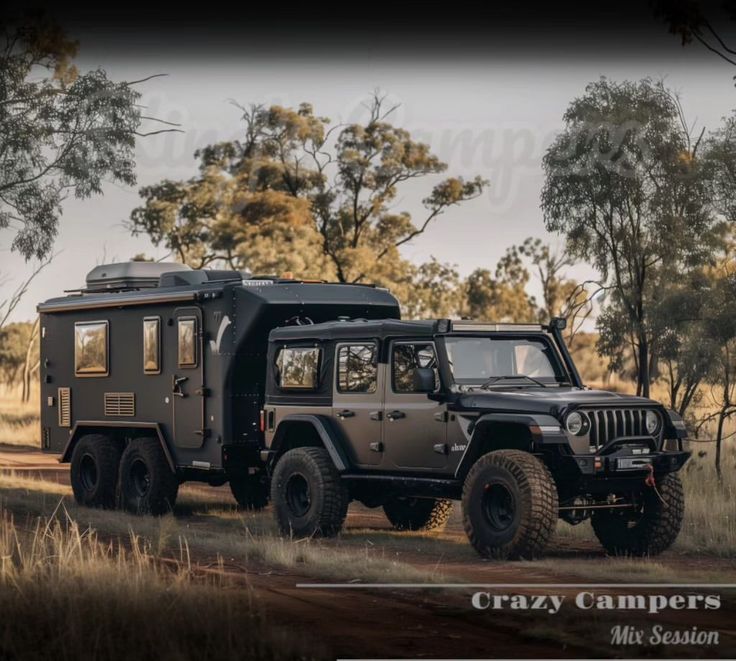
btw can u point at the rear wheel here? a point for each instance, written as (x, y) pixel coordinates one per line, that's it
(652, 529)
(308, 496)
(418, 513)
(251, 491)
(94, 471)
(510, 505)
(147, 484)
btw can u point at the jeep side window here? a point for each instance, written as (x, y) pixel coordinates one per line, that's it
(356, 368)
(298, 368)
(406, 357)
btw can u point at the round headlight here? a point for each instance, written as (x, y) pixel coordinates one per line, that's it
(652, 422)
(575, 423)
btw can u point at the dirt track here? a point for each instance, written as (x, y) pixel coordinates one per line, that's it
(391, 623)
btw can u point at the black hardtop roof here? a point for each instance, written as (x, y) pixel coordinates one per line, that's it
(276, 292)
(355, 329)
(383, 328)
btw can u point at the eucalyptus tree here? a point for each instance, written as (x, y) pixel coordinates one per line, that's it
(625, 185)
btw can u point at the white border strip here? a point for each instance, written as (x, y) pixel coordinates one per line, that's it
(511, 586)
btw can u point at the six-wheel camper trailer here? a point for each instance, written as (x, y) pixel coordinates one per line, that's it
(174, 356)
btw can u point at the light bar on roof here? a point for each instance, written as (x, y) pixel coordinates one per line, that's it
(485, 327)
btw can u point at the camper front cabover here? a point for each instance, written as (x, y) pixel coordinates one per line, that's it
(154, 374)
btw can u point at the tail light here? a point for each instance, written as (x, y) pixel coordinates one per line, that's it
(263, 420)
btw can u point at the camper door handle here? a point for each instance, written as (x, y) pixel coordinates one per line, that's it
(395, 415)
(176, 382)
(345, 414)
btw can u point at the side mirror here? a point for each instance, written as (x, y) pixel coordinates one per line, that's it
(424, 379)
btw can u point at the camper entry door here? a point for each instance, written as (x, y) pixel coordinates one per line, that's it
(187, 382)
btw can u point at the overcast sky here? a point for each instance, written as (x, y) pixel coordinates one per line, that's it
(488, 111)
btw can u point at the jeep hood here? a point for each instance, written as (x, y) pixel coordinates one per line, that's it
(545, 400)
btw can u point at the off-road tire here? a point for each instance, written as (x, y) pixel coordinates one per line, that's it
(418, 513)
(308, 496)
(510, 505)
(94, 471)
(251, 491)
(656, 528)
(147, 483)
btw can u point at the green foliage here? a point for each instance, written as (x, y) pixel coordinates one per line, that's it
(626, 187)
(298, 194)
(61, 132)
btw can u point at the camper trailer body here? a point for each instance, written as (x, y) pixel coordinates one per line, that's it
(176, 355)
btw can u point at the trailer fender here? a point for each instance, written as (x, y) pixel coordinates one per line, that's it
(82, 427)
(325, 434)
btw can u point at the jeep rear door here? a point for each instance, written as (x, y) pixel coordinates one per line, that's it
(357, 400)
(414, 426)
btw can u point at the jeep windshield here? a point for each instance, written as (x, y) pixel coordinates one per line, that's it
(496, 362)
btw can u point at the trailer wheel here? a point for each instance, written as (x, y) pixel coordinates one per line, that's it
(418, 513)
(307, 494)
(147, 484)
(94, 471)
(510, 505)
(251, 491)
(649, 531)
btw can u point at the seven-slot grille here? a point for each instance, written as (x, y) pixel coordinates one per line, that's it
(607, 424)
(120, 403)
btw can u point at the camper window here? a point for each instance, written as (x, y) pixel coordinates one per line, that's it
(187, 342)
(90, 348)
(152, 345)
(298, 368)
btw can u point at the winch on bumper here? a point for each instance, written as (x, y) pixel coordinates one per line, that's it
(629, 456)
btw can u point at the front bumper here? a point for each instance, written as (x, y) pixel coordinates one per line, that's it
(630, 456)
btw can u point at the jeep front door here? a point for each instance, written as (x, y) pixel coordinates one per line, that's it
(357, 400)
(414, 426)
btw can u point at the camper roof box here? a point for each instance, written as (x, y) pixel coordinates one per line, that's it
(129, 275)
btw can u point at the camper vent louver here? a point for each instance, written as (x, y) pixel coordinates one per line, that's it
(120, 403)
(64, 395)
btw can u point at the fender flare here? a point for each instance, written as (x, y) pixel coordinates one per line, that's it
(83, 426)
(324, 428)
(545, 429)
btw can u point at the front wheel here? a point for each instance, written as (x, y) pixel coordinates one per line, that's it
(308, 496)
(510, 505)
(147, 483)
(649, 531)
(418, 513)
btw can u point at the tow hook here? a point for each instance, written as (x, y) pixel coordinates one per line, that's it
(649, 479)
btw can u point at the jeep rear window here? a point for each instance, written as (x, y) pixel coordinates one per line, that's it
(356, 368)
(298, 368)
(477, 359)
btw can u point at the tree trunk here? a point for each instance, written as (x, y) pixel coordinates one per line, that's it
(26, 394)
(642, 385)
(719, 437)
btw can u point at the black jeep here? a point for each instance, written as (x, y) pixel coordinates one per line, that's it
(410, 415)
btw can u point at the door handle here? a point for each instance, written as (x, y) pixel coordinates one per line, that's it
(395, 415)
(376, 447)
(345, 414)
(376, 415)
(176, 382)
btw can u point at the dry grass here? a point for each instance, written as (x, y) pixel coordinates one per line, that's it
(211, 529)
(65, 594)
(19, 422)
